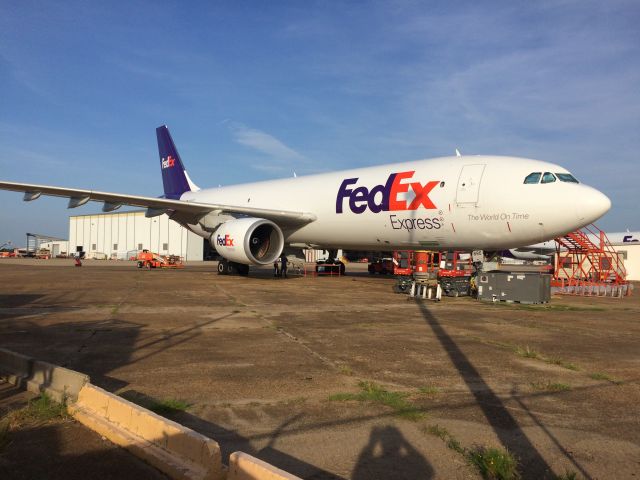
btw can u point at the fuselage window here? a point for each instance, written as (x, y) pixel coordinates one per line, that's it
(548, 177)
(532, 177)
(566, 177)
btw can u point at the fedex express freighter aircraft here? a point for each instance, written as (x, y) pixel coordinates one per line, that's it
(475, 202)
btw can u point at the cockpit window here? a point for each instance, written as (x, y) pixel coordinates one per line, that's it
(533, 177)
(548, 177)
(566, 177)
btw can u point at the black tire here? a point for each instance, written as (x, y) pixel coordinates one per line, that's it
(242, 269)
(222, 270)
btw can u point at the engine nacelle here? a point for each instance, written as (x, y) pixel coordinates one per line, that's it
(249, 241)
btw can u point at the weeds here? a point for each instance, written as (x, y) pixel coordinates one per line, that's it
(528, 352)
(561, 363)
(436, 430)
(550, 387)
(494, 463)
(454, 445)
(169, 406)
(429, 390)
(374, 393)
(604, 376)
(40, 409)
(444, 435)
(44, 408)
(345, 370)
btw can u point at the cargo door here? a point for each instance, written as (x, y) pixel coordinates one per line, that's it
(469, 185)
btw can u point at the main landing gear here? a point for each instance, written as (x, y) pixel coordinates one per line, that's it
(226, 267)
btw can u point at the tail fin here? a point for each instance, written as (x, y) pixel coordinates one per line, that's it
(174, 177)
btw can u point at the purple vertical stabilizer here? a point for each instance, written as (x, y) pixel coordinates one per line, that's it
(173, 174)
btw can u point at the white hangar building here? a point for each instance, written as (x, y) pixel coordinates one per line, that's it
(119, 235)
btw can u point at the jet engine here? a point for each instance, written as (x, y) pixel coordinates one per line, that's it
(248, 241)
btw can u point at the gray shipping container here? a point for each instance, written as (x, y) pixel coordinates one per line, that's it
(514, 287)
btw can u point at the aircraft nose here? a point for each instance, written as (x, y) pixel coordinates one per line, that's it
(592, 205)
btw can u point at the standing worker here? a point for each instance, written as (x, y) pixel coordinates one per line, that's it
(276, 272)
(283, 267)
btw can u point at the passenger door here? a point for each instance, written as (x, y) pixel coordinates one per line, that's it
(469, 185)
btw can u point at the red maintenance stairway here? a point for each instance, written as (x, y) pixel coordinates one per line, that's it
(587, 264)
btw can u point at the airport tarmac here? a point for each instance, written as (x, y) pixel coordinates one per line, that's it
(283, 368)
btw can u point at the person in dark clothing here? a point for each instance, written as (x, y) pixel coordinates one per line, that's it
(276, 271)
(283, 267)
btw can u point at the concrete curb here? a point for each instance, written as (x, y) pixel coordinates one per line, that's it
(178, 451)
(172, 448)
(14, 367)
(243, 466)
(59, 383)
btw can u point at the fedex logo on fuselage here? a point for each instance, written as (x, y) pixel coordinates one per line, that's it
(225, 241)
(384, 198)
(168, 162)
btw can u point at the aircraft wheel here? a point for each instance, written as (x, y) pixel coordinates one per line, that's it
(222, 267)
(242, 269)
(342, 268)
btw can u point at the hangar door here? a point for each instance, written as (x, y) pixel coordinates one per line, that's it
(469, 185)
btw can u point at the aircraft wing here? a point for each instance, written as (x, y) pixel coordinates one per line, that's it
(186, 210)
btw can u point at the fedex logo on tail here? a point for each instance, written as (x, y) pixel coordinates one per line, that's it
(169, 162)
(225, 241)
(384, 198)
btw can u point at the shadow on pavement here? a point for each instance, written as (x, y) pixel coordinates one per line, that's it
(505, 426)
(389, 455)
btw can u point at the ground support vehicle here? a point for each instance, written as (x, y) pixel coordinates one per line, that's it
(147, 259)
(455, 272)
(330, 267)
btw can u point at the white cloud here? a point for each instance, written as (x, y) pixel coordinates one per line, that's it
(263, 143)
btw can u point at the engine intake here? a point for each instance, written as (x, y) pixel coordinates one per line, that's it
(249, 241)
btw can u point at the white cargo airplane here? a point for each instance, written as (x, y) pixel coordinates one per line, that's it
(477, 202)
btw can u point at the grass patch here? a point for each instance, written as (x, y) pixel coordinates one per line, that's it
(494, 463)
(550, 387)
(562, 363)
(437, 431)
(374, 393)
(455, 445)
(169, 406)
(526, 352)
(604, 376)
(345, 370)
(429, 390)
(444, 435)
(39, 409)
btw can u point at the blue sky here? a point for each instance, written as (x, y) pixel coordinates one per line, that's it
(257, 90)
